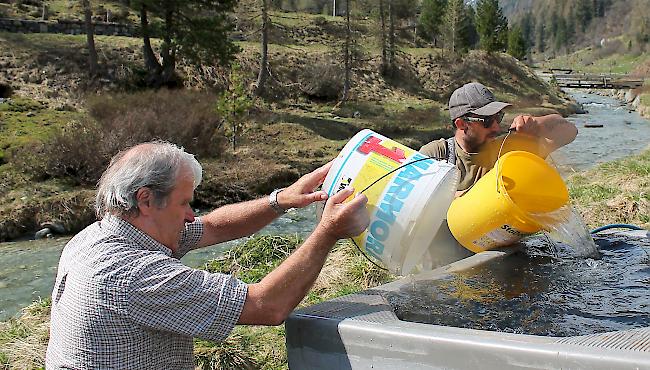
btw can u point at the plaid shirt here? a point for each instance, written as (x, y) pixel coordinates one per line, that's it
(121, 300)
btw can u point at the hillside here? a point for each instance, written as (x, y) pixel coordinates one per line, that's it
(567, 26)
(299, 125)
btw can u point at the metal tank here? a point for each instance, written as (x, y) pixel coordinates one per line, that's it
(360, 331)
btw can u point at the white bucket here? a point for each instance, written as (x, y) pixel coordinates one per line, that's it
(406, 207)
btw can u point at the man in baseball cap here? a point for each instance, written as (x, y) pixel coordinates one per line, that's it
(476, 116)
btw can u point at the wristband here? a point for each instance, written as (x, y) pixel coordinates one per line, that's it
(273, 202)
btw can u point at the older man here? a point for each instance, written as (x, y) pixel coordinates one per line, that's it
(122, 299)
(474, 148)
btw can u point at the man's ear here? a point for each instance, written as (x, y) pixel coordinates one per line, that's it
(460, 124)
(144, 198)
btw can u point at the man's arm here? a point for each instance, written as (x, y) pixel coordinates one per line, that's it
(242, 219)
(553, 128)
(270, 301)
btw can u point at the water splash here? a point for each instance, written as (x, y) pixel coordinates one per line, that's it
(566, 226)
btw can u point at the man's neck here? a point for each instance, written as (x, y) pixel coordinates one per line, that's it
(460, 139)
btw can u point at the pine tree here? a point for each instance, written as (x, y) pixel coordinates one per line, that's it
(455, 24)
(431, 18)
(347, 51)
(93, 65)
(516, 43)
(561, 34)
(195, 29)
(584, 13)
(470, 35)
(263, 73)
(541, 37)
(527, 25)
(492, 25)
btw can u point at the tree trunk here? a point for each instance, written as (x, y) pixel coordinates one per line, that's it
(264, 58)
(168, 52)
(348, 36)
(150, 61)
(93, 66)
(382, 18)
(391, 36)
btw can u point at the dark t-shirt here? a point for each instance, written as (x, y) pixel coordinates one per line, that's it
(473, 166)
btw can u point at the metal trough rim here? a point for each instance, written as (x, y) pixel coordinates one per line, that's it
(354, 318)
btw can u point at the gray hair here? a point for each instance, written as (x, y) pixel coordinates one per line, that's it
(156, 165)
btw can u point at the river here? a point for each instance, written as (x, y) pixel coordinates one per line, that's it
(28, 268)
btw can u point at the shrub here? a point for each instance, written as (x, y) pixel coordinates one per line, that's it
(82, 149)
(322, 80)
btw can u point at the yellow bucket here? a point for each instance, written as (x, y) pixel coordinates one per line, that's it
(500, 208)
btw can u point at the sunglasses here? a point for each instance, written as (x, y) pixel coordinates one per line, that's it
(486, 121)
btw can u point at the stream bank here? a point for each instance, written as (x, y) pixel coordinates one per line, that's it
(624, 134)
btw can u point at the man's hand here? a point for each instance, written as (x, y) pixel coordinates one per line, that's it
(553, 128)
(343, 220)
(526, 124)
(301, 193)
(270, 301)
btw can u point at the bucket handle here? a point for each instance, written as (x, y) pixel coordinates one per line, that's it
(498, 174)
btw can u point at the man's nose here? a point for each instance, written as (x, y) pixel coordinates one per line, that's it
(496, 127)
(189, 214)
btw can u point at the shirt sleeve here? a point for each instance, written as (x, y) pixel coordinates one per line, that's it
(167, 295)
(435, 149)
(190, 237)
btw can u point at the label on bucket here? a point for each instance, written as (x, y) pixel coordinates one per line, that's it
(396, 194)
(502, 236)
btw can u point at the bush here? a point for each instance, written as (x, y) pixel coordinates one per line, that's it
(322, 80)
(82, 149)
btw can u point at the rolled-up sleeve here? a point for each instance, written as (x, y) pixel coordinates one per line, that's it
(167, 295)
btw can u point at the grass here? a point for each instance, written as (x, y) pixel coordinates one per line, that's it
(71, 10)
(345, 272)
(38, 42)
(601, 60)
(23, 341)
(423, 52)
(24, 121)
(645, 100)
(614, 192)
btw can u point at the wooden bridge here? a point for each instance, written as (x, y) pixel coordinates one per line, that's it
(566, 78)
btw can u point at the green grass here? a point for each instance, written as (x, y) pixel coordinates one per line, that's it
(617, 63)
(39, 42)
(252, 260)
(589, 60)
(422, 52)
(66, 9)
(302, 20)
(255, 258)
(24, 121)
(645, 99)
(592, 192)
(614, 192)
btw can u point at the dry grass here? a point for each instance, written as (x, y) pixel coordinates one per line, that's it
(23, 341)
